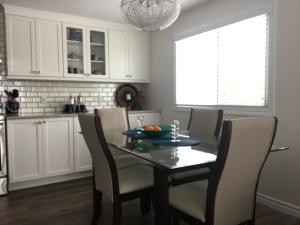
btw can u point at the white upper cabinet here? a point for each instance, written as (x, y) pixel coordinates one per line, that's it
(49, 48)
(138, 63)
(75, 61)
(34, 47)
(97, 52)
(85, 52)
(21, 54)
(58, 146)
(129, 55)
(118, 54)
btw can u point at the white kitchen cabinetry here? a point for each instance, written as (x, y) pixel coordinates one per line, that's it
(83, 160)
(75, 51)
(85, 52)
(97, 52)
(52, 148)
(39, 148)
(118, 50)
(25, 150)
(34, 47)
(52, 46)
(149, 118)
(58, 146)
(20, 38)
(129, 55)
(138, 58)
(49, 48)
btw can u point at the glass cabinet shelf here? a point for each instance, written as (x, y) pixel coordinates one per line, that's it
(74, 42)
(76, 60)
(95, 61)
(97, 44)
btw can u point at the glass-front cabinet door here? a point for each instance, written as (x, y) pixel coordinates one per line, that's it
(75, 51)
(97, 52)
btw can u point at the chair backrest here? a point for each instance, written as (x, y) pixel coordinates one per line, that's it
(245, 145)
(205, 122)
(113, 119)
(104, 168)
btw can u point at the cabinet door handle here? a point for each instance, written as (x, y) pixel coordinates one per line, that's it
(33, 71)
(40, 122)
(38, 72)
(44, 121)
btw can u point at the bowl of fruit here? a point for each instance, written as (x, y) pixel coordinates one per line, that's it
(156, 131)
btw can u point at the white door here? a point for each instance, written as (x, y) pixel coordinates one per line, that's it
(58, 146)
(20, 38)
(49, 48)
(97, 52)
(138, 63)
(75, 51)
(118, 54)
(83, 160)
(25, 153)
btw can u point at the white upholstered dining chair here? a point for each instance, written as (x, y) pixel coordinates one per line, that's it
(228, 197)
(117, 185)
(203, 124)
(116, 120)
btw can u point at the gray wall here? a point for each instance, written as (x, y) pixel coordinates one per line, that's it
(280, 178)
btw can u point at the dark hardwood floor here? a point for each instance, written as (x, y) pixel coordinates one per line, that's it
(70, 203)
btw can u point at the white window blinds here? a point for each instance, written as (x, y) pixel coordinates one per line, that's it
(224, 66)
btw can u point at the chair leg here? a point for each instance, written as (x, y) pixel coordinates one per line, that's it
(145, 201)
(175, 219)
(97, 199)
(117, 212)
(251, 222)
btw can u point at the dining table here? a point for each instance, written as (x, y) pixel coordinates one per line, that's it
(168, 157)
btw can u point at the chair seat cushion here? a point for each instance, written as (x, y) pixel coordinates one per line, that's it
(135, 178)
(123, 161)
(190, 198)
(191, 173)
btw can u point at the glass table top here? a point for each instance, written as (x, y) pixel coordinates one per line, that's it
(170, 157)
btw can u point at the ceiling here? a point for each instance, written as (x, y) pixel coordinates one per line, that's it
(99, 9)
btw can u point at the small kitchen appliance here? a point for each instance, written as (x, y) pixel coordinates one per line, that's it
(12, 105)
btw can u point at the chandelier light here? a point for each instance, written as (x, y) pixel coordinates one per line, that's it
(150, 15)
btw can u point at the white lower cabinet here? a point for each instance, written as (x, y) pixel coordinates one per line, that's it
(25, 150)
(58, 146)
(47, 147)
(39, 148)
(83, 160)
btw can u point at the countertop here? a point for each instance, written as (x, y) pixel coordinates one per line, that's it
(56, 115)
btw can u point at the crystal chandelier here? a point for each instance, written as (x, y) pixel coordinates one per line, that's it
(150, 15)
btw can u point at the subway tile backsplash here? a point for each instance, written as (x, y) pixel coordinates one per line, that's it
(50, 96)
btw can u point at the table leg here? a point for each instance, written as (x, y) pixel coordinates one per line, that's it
(161, 196)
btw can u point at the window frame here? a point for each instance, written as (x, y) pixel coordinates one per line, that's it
(270, 11)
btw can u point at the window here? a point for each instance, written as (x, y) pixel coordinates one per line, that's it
(227, 66)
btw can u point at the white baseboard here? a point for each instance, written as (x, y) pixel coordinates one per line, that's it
(278, 205)
(49, 180)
